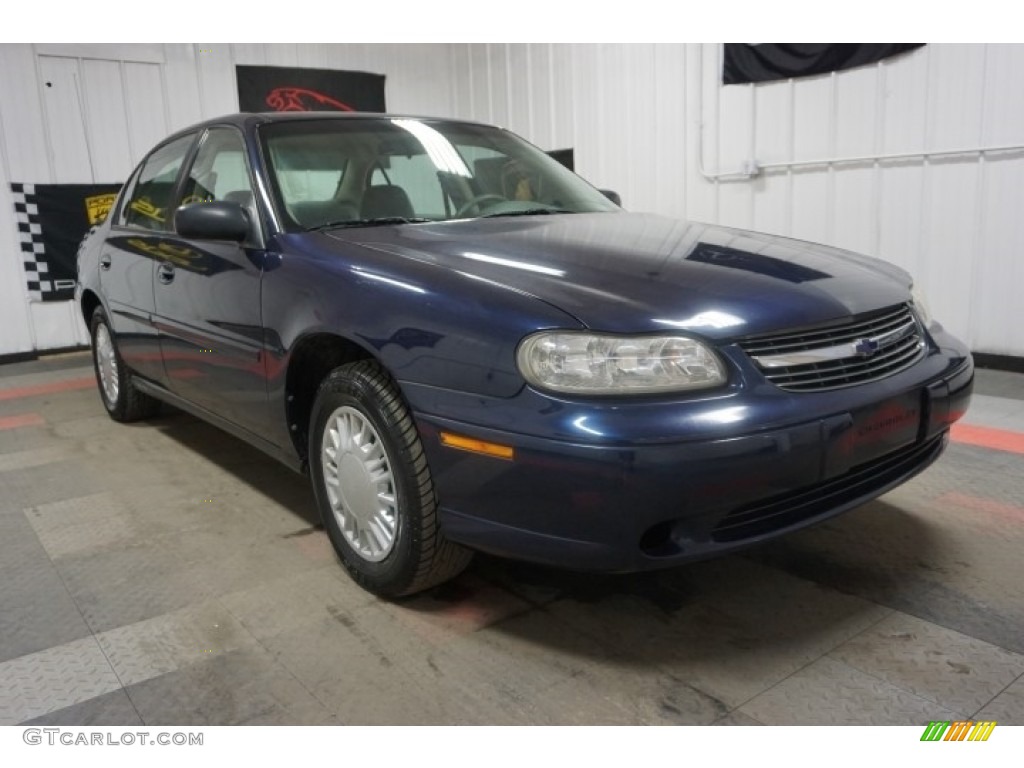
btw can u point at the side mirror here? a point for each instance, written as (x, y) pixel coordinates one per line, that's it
(214, 220)
(612, 195)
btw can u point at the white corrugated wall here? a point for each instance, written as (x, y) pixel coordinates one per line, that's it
(107, 105)
(644, 119)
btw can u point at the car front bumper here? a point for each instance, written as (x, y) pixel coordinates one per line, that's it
(718, 474)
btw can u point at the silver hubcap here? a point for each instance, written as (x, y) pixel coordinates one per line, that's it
(359, 482)
(106, 362)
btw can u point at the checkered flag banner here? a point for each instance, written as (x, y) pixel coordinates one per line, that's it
(52, 220)
(26, 212)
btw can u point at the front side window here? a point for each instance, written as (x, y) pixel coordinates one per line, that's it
(149, 200)
(220, 170)
(358, 171)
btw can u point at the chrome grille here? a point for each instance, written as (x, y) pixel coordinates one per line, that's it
(864, 350)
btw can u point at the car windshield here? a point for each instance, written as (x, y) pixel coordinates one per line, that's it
(367, 171)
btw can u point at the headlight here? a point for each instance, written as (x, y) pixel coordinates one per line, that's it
(591, 364)
(921, 306)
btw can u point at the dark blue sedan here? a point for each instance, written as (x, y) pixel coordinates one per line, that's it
(470, 348)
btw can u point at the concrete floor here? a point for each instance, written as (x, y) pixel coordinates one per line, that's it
(165, 573)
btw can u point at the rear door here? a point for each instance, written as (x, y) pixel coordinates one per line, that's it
(207, 295)
(131, 253)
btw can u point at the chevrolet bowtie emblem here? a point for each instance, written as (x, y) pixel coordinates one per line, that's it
(865, 347)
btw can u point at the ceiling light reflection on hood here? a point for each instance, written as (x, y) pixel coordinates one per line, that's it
(515, 264)
(711, 319)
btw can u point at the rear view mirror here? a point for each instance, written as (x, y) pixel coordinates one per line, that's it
(214, 220)
(612, 195)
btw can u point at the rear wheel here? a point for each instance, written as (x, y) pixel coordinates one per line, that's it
(117, 390)
(373, 485)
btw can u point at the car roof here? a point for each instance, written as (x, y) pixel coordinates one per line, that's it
(246, 120)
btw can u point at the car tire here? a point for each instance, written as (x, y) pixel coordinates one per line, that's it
(373, 486)
(117, 390)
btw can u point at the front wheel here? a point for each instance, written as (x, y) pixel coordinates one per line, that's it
(373, 486)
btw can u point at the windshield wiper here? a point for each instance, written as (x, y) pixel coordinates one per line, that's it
(527, 212)
(378, 222)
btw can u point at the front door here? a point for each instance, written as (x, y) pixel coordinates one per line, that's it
(208, 296)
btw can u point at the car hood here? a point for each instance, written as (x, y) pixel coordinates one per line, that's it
(628, 272)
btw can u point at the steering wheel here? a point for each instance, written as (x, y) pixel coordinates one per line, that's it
(475, 201)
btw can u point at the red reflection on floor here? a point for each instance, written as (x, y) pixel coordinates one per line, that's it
(979, 504)
(67, 385)
(21, 420)
(987, 437)
(315, 546)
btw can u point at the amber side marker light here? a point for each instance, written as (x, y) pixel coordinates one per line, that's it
(472, 445)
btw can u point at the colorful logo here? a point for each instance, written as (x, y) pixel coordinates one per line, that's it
(289, 99)
(98, 206)
(958, 730)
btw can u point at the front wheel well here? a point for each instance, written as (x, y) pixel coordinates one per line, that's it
(89, 303)
(312, 360)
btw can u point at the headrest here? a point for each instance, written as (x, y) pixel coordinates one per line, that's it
(386, 200)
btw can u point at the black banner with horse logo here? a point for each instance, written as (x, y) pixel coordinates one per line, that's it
(290, 89)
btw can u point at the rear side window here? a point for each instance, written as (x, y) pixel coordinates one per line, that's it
(148, 201)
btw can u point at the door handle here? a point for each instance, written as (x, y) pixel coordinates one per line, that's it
(105, 261)
(165, 272)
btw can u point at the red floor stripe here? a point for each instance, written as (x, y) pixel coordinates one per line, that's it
(987, 437)
(48, 389)
(21, 420)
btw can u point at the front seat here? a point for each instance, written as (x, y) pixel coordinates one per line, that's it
(384, 201)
